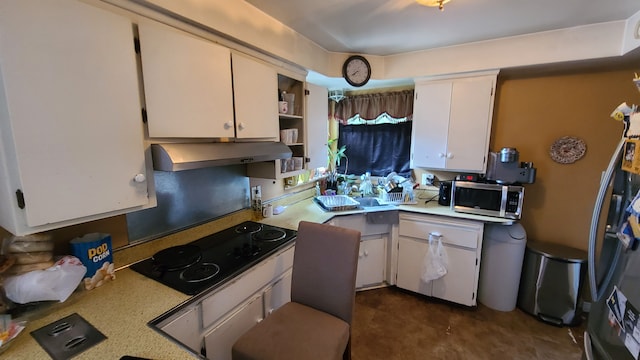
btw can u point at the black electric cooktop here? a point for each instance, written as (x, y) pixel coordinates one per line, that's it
(210, 261)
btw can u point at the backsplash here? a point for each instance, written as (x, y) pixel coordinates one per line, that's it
(188, 198)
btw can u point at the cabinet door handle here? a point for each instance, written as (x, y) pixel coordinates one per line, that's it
(139, 178)
(449, 156)
(241, 126)
(228, 125)
(441, 155)
(366, 253)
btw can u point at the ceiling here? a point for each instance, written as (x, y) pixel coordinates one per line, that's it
(385, 27)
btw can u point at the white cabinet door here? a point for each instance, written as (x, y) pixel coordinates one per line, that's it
(462, 241)
(460, 283)
(186, 329)
(470, 123)
(71, 126)
(452, 123)
(317, 126)
(430, 127)
(219, 341)
(255, 90)
(187, 84)
(277, 294)
(411, 253)
(371, 261)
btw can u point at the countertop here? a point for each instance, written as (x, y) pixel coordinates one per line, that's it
(122, 308)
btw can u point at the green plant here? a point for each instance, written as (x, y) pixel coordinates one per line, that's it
(335, 154)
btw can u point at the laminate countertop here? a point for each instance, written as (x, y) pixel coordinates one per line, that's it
(121, 309)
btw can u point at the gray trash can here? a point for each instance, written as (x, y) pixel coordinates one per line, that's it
(502, 252)
(552, 279)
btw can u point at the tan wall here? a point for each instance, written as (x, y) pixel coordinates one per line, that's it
(531, 112)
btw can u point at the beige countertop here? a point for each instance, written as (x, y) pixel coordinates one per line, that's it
(122, 308)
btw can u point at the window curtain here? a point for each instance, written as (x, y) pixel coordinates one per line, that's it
(380, 149)
(397, 104)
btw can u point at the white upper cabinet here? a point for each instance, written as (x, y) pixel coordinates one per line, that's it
(195, 88)
(317, 126)
(70, 117)
(255, 91)
(452, 123)
(187, 84)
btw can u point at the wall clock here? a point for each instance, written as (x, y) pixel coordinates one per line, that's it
(356, 70)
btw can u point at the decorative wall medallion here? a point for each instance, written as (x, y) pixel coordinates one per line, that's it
(567, 150)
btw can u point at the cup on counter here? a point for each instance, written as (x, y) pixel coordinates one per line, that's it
(267, 210)
(283, 107)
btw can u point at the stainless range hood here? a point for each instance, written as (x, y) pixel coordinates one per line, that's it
(186, 156)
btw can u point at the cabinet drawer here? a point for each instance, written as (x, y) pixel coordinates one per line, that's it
(359, 222)
(226, 299)
(452, 233)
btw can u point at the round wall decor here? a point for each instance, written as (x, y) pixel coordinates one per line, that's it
(567, 150)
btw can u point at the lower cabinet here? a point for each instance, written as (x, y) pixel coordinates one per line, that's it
(373, 248)
(218, 342)
(277, 294)
(371, 260)
(211, 326)
(462, 241)
(186, 328)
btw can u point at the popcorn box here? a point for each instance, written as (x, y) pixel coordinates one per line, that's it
(96, 254)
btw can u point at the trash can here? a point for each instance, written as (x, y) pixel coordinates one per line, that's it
(552, 279)
(502, 253)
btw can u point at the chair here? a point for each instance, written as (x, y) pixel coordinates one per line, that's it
(316, 324)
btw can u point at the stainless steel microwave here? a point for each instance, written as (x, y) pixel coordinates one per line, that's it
(497, 200)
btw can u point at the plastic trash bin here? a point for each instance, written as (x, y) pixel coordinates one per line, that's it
(501, 264)
(552, 279)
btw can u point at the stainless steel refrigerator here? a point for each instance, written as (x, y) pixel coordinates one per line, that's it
(613, 330)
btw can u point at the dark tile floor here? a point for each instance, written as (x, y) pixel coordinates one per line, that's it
(390, 324)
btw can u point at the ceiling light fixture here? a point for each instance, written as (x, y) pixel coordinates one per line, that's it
(438, 3)
(336, 95)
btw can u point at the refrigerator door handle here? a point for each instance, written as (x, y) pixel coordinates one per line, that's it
(602, 191)
(588, 350)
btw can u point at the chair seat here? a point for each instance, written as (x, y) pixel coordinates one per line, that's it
(294, 331)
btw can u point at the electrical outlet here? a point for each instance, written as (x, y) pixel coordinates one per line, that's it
(427, 179)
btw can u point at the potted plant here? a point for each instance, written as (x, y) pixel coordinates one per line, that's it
(335, 155)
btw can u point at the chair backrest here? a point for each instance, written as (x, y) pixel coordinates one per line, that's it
(324, 268)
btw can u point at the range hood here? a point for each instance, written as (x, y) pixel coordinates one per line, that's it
(186, 156)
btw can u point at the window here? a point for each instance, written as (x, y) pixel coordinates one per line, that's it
(376, 131)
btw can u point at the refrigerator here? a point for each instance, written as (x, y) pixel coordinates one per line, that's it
(613, 330)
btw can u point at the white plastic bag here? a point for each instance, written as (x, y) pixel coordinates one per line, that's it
(54, 283)
(435, 260)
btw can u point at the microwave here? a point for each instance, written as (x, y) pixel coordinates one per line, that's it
(498, 200)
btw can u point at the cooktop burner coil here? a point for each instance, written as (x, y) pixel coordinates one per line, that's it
(200, 272)
(269, 235)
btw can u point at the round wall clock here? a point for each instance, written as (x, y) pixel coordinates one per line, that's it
(356, 70)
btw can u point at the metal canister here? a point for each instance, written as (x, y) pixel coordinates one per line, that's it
(508, 155)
